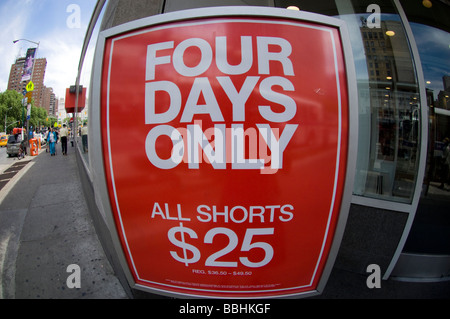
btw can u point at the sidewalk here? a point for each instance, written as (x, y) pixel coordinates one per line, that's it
(45, 226)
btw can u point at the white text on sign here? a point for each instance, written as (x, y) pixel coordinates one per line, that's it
(229, 142)
(180, 235)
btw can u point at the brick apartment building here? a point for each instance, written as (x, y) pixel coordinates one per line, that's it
(42, 95)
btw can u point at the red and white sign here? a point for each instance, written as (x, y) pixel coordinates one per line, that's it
(225, 151)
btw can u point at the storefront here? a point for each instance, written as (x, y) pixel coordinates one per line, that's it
(398, 216)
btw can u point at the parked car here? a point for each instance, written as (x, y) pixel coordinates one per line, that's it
(13, 145)
(3, 140)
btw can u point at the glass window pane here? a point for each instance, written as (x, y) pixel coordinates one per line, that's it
(388, 95)
(431, 28)
(81, 131)
(389, 105)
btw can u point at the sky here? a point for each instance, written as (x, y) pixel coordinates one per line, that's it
(434, 49)
(58, 25)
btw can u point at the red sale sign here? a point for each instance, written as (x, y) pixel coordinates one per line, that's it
(225, 145)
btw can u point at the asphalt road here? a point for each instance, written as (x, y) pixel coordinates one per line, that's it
(5, 161)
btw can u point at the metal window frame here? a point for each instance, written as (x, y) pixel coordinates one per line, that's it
(423, 140)
(408, 208)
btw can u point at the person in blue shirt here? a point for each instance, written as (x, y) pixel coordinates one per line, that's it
(51, 140)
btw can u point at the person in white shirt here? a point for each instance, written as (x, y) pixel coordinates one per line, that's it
(84, 137)
(63, 133)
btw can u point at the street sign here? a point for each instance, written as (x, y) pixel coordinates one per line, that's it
(226, 149)
(29, 96)
(28, 109)
(30, 86)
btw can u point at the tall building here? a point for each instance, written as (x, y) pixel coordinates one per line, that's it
(15, 76)
(61, 115)
(49, 101)
(446, 81)
(387, 53)
(15, 79)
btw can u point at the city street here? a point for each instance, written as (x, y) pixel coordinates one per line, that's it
(5, 161)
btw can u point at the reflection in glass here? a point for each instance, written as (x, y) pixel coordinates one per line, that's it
(393, 95)
(81, 131)
(430, 231)
(434, 52)
(388, 96)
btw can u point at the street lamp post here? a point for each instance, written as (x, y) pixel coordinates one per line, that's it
(31, 77)
(15, 41)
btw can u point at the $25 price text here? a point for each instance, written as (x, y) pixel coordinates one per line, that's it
(187, 253)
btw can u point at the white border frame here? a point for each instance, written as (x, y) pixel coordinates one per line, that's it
(393, 205)
(96, 160)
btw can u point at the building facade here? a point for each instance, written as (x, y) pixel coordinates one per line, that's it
(15, 79)
(399, 215)
(62, 114)
(49, 101)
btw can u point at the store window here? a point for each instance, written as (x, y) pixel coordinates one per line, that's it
(81, 131)
(392, 112)
(430, 232)
(388, 96)
(432, 35)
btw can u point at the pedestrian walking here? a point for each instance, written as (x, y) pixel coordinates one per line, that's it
(63, 133)
(84, 137)
(51, 139)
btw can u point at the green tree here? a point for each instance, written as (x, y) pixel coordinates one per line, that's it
(16, 114)
(38, 117)
(52, 120)
(11, 107)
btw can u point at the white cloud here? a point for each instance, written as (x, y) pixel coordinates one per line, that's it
(62, 50)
